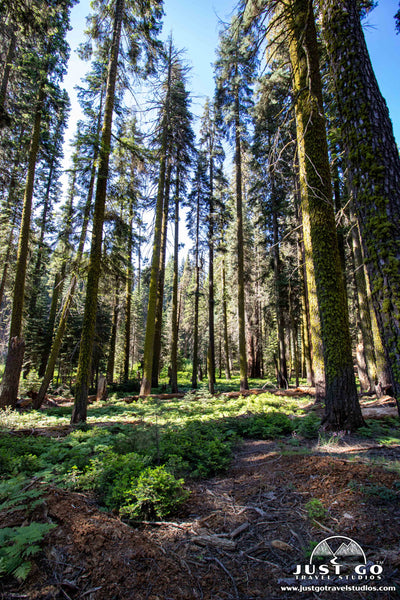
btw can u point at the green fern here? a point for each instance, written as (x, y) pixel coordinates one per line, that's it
(19, 543)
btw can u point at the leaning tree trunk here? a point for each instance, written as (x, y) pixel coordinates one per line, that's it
(320, 240)
(16, 348)
(364, 312)
(373, 167)
(113, 336)
(79, 412)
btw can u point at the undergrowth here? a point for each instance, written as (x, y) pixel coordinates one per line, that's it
(136, 457)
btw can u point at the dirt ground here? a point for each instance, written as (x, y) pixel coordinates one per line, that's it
(239, 536)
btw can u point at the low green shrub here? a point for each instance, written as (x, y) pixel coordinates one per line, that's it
(155, 494)
(307, 426)
(110, 476)
(198, 449)
(315, 509)
(263, 426)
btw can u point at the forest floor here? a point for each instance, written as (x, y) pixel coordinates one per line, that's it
(240, 535)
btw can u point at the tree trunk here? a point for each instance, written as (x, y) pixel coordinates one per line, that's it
(305, 315)
(145, 388)
(280, 294)
(128, 297)
(11, 209)
(320, 240)
(10, 381)
(4, 118)
(195, 363)
(174, 316)
(364, 314)
(160, 286)
(211, 302)
(113, 337)
(384, 385)
(373, 167)
(225, 319)
(79, 412)
(240, 253)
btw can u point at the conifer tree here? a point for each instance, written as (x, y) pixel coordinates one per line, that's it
(50, 62)
(198, 198)
(144, 21)
(235, 69)
(320, 240)
(211, 143)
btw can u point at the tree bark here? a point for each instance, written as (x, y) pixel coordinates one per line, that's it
(342, 410)
(373, 167)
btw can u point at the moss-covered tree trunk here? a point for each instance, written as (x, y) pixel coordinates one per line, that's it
(51, 350)
(320, 239)
(145, 388)
(240, 250)
(16, 347)
(373, 167)
(11, 211)
(6, 263)
(225, 320)
(160, 286)
(48, 336)
(175, 281)
(305, 316)
(79, 412)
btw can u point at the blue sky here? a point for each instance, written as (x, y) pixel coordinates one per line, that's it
(195, 25)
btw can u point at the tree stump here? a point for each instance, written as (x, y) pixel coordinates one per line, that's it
(102, 388)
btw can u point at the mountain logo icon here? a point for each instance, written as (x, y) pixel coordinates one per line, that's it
(338, 547)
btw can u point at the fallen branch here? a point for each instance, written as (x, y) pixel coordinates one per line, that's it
(227, 572)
